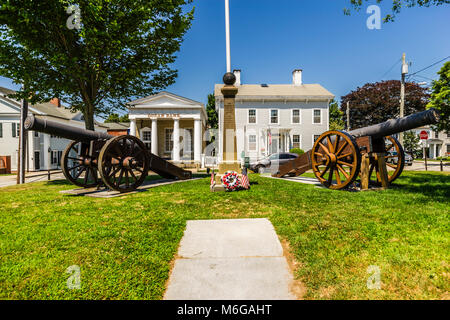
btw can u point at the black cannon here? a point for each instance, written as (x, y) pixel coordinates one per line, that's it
(338, 158)
(121, 163)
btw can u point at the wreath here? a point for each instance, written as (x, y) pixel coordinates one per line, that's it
(230, 180)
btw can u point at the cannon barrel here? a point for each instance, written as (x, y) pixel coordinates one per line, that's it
(63, 131)
(394, 126)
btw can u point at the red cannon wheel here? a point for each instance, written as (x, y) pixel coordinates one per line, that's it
(394, 158)
(336, 159)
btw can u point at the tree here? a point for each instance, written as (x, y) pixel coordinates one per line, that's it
(378, 102)
(114, 117)
(411, 143)
(121, 49)
(440, 97)
(397, 5)
(213, 118)
(336, 116)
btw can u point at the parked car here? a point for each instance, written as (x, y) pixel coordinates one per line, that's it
(408, 158)
(272, 162)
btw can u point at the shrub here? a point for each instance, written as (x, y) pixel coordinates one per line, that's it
(297, 151)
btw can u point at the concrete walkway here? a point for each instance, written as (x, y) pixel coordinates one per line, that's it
(230, 260)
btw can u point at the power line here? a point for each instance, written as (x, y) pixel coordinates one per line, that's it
(432, 65)
(391, 68)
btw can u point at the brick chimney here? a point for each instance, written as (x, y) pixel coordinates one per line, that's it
(56, 102)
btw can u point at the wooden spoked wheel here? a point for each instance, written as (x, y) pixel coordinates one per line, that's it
(336, 159)
(394, 158)
(78, 167)
(123, 163)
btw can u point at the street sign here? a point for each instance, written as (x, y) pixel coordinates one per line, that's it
(423, 135)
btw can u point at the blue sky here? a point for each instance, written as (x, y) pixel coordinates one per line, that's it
(269, 39)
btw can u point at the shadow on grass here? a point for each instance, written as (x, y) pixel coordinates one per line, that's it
(433, 186)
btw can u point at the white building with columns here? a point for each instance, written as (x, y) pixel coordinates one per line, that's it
(171, 126)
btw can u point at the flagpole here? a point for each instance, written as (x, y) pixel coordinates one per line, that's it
(227, 32)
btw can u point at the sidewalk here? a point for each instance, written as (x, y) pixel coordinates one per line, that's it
(10, 180)
(230, 260)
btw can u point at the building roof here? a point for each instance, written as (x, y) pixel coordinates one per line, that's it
(116, 125)
(280, 92)
(161, 94)
(45, 108)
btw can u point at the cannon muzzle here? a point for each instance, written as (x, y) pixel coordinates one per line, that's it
(63, 131)
(394, 126)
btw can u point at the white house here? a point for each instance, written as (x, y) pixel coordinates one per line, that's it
(438, 142)
(274, 118)
(43, 151)
(171, 126)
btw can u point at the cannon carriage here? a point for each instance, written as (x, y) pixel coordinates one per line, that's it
(371, 154)
(96, 159)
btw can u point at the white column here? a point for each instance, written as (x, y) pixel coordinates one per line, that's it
(47, 154)
(133, 127)
(154, 136)
(30, 147)
(197, 139)
(176, 139)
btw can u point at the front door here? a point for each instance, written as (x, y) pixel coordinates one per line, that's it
(37, 161)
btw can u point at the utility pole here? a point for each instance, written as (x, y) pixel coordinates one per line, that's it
(22, 143)
(402, 92)
(348, 115)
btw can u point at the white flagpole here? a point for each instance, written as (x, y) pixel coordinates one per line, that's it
(227, 31)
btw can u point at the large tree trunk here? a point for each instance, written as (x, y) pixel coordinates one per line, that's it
(89, 117)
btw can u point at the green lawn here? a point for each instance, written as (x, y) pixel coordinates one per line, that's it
(124, 246)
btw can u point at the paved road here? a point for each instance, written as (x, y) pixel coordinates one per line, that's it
(6, 181)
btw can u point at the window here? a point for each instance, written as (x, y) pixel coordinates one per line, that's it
(296, 141)
(36, 134)
(448, 148)
(316, 136)
(15, 129)
(56, 157)
(275, 156)
(252, 142)
(448, 134)
(1, 130)
(317, 117)
(252, 116)
(169, 140)
(147, 138)
(296, 116)
(436, 134)
(273, 116)
(187, 138)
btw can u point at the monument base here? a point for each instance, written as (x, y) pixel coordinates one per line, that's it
(223, 168)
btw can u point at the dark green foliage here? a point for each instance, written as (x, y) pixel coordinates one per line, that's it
(124, 49)
(440, 97)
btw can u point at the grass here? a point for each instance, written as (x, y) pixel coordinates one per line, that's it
(124, 246)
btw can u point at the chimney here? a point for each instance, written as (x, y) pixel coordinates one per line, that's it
(297, 77)
(56, 102)
(237, 74)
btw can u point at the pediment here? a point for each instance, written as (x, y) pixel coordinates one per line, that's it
(165, 100)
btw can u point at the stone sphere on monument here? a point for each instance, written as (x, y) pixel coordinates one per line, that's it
(229, 78)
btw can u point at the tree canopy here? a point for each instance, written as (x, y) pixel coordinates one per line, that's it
(213, 118)
(114, 117)
(440, 97)
(378, 102)
(397, 5)
(95, 57)
(336, 116)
